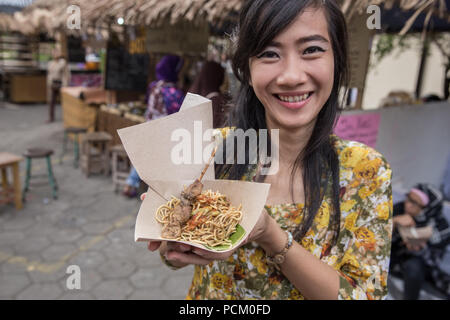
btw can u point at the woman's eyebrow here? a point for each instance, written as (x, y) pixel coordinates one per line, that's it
(315, 37)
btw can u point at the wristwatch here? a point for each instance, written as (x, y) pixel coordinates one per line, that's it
(277, 259)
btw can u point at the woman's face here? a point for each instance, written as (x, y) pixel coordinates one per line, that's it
(293, 76)
(413, 204)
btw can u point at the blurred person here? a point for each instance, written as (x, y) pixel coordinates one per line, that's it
(418, 261)
(58, 75)
(164, 97)
(431, 98)
(446, 181)
(207, 84)
(397, 98)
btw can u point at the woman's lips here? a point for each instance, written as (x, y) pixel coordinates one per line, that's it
(294, 105)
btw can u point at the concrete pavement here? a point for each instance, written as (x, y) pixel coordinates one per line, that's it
(89, 226)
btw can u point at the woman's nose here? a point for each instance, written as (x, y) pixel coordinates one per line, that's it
(292, 73)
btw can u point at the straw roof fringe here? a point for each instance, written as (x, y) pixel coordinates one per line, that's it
(52, 15)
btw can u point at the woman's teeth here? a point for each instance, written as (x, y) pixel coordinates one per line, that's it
(294, 98)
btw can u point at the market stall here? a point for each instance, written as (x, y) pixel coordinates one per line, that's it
(111, 119)
(80, 106)
(22, 80)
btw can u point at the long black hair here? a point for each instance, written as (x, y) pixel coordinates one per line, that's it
(260, 22)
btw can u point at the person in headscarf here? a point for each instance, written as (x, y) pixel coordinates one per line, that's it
(163, 95)
(420, 259)
(163, 98)
(207, 84)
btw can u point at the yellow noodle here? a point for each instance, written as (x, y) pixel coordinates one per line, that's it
(218, 219)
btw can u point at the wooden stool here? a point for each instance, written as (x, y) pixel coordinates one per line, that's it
(76, 133)
(120, 166)
(94, 153)
(39, 153)
(8, 193)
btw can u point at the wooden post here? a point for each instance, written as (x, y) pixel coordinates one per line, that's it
(422, 66)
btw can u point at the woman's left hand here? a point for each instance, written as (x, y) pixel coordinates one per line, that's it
(260, 228)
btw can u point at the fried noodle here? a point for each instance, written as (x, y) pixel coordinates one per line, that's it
(213, 219)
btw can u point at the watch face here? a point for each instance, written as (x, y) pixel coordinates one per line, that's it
(279, 259)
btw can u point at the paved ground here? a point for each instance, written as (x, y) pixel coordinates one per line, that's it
(88, 226)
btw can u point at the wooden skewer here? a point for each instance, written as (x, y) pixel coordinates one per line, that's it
(159, 194)
(207, 165)
(201, 175)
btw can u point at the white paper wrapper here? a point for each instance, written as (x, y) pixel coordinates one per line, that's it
(150, 149)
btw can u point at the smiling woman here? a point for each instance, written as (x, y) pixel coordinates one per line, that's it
(326, 228)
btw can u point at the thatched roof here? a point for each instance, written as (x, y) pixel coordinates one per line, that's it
(51, 15)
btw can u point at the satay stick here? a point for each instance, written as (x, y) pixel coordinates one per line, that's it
(154, 190)
(207, 165)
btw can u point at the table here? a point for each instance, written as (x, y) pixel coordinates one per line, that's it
(110, 123)
(79, 112)
(9, 160)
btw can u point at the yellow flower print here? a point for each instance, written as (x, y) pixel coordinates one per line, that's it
(323, 216)
(366, 191)
(275, 278)
(330, 260)
(346, 174)
(197, 280)
(350, 221)
(298, 217)
(295, 295)
(352, 155)
(348, 259)
(259, 261)
(383, 211)
(368, 169)
(307, 243)
(365, 238)
(219, 280)
(355, 183)
(347, 205)
(242, 255)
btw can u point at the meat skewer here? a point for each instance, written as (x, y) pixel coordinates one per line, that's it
(182, 211)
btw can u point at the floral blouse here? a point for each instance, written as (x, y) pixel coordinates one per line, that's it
(361, 255)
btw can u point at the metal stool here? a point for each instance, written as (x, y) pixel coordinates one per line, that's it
(120, 166)
(38, 153)
(95, 153)
(75, 131)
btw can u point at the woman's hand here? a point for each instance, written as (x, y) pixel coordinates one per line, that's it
(180, 254)
(417, 246)
(404, 220)
(260, 228)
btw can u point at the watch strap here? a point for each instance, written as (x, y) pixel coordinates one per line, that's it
(277, 259)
